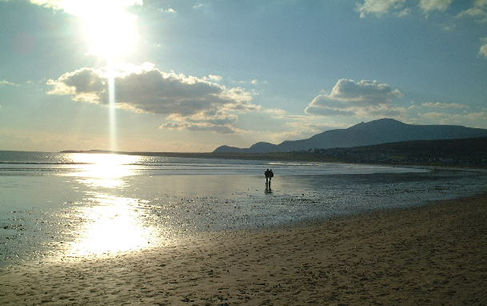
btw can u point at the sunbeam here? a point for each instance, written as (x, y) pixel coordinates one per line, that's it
(111, 107)
(110, 31)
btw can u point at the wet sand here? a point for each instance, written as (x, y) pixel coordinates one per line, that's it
(433, 254)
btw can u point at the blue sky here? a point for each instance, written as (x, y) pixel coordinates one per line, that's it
(192, 75)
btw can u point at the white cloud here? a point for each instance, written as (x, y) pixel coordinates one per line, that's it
(379, 7)
(476, 119)
(275, 111)
(443, 105)
(198, 126)
(483, 48)
(402, 8)
(399, 7)
(187, 101)
(221, 122)
(446, 113)
(7, 83)
(404, 12)
(76, 6)
(448, 26)
(55, 4)
(213, 77)
(349, 98)
(168, 10)
(478, 11)
(434, 5)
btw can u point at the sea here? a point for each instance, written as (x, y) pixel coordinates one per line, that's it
(75, 205)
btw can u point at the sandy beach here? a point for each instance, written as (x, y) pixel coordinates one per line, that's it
(433, 254)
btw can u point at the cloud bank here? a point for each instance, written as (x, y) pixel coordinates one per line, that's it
(351, 101)
(187, 102)
(399, 7)
(478, 11)
(434, 5)
(483, 48)
(379, 7)
(8, 83)
(76, 7)
(350, 98)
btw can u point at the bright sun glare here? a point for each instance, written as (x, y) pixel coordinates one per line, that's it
(112, 225)
(108, 27)
(111, 34)
(103, 170)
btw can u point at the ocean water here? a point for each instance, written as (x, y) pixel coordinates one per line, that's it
(72, 205)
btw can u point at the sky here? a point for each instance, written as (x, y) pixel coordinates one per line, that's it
(191, 75)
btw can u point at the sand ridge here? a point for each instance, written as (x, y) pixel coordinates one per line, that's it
(434, 254)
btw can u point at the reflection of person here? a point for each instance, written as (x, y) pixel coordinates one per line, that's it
(271, 175)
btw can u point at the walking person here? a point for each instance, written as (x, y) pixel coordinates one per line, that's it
(267, 180)
(271, 175)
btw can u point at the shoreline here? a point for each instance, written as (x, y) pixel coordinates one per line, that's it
(429, 254)
(278, 156)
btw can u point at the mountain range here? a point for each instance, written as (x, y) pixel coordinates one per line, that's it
(363, 134)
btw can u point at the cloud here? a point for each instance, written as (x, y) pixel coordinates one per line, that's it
(404, 12)
(402, 8)
(214, 78)
(382, 7)
(474, 119)
(198, 126)
(478, 11)
(348, 98)
(446, 113)
(483, 48)
(187, 101)
(75, 7)
(434, 5)
(379, 7)
(314, 109)
(350, 101)
(442, 105)
(55, 4)
(220, 122)
(168, 10)
(8, 83)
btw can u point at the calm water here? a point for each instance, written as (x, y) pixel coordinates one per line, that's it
(75, 205)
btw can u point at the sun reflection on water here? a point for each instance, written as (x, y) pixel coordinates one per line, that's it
(103, 170)
(112, 225)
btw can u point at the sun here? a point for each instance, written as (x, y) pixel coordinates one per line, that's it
(109, 29)
(111, 36)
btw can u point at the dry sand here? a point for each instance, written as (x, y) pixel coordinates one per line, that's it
(434, 254)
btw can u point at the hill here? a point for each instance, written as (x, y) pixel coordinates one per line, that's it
(468, 152)
(363, 134)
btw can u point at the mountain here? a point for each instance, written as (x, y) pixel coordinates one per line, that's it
(260, 147)
(363, 134)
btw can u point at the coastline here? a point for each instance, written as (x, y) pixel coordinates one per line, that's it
(435, 253)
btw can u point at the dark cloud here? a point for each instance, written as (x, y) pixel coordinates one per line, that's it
(197, 103)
